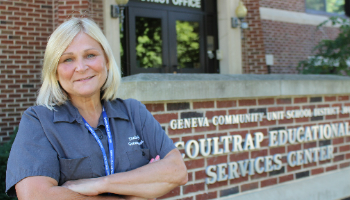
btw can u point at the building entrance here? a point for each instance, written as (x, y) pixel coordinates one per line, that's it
(163, 40)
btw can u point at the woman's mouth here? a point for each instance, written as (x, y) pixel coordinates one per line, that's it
(84, 79)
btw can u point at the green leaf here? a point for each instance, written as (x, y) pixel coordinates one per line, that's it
(331, 56)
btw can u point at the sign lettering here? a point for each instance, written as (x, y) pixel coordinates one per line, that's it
(236, 143)
(182, 3)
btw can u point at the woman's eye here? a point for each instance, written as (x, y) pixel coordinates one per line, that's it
(67, 60)
(90, 55)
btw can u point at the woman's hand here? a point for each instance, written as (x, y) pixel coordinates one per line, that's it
(155, 159)
(88, 187)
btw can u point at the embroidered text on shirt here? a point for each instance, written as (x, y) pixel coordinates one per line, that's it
(136, 137)
(135, 143)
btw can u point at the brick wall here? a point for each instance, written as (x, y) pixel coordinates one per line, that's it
(290, 43)
(96, 9)
(196, 188)
(253, 51)
(65, 9)
(25, 26)
(291, 5)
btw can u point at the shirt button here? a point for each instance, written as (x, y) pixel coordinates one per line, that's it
(143, 153)
(101, 136)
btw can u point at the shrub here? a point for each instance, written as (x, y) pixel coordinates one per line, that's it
(332, 56)
(4, 155)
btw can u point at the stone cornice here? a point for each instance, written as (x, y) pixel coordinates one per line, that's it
(180, 87)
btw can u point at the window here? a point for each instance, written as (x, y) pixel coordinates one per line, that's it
(325, 6)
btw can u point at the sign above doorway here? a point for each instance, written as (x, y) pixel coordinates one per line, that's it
(183, 3)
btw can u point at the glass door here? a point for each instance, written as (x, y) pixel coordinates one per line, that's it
(165, 42)
(186, 38)
(148, 41)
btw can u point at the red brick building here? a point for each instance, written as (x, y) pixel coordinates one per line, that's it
(219, 59)
(27, 24)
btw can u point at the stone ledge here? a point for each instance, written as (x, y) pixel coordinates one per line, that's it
(179, 87)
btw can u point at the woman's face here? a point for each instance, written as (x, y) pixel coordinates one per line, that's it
(82, 68)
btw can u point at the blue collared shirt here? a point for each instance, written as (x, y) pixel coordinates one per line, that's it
(58, 145)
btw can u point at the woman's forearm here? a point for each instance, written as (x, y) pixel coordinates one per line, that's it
(150, 181)
(45, 188)
(62, 193)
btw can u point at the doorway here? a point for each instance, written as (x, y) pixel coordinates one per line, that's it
(164, 39)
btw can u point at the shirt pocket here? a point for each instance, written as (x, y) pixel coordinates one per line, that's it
(73, 169)
(138, 158)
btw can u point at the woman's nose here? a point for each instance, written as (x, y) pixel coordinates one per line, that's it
(80, 66)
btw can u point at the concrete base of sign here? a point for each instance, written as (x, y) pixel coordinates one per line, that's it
(329, 186)
(179, 87)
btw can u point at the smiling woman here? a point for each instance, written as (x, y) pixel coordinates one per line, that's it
(82, 71)
(81, 142)
(82, 68)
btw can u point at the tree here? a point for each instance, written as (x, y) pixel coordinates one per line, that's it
(332, 56)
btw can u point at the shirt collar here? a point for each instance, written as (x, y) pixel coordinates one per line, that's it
(68, 113)
(116, 109)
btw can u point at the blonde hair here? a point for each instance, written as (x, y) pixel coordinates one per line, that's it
(51, 93)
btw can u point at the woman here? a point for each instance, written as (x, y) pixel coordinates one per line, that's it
(80, 141)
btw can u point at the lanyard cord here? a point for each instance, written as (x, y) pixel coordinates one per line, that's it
(110, 143)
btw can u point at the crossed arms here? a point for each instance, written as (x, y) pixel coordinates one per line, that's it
(149, 181)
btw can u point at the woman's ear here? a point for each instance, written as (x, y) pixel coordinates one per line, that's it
(107, 68)
(107, 62)
(106, 57)
(56, 75)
